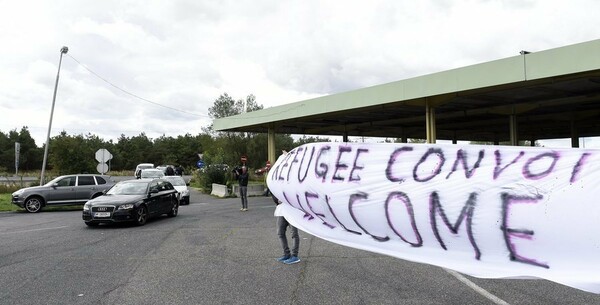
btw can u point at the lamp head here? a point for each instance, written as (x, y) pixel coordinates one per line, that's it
(64, 50)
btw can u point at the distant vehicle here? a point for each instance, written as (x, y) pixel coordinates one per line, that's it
(63, 190)
(132, 201)
(151, 173)
(140, 167)
(182, 187)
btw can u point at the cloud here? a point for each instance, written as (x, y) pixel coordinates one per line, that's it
(126, 56)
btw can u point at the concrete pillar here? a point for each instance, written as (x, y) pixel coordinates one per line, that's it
(574, 135)
(430, 123)
(514, 140)
(271, 145)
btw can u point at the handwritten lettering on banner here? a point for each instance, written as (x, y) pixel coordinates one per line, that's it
(487, 211)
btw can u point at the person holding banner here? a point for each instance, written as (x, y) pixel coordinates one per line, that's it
(289, 257)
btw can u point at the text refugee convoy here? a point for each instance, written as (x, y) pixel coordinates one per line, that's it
(454, 199)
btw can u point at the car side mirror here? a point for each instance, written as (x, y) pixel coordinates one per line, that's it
(187, 184)
(54, 185)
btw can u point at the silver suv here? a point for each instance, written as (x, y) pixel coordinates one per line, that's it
(64, 190)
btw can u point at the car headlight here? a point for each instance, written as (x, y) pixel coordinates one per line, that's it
(185, 192)
(87, 206)
(19, 192)
(128, 206)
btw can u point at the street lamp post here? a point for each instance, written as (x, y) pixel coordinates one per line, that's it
(63, 50)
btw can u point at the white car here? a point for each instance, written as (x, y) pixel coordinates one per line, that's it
(140, 167)
(151, 173)
(181, 186)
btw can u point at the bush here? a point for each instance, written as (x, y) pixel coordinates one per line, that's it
(205, 179)
(9, 188)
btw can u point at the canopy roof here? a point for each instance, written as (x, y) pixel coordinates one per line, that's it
(553, 94)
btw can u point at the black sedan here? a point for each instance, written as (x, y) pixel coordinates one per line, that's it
(132, 201)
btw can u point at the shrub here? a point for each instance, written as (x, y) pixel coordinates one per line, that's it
(204, 179)
(9, 188)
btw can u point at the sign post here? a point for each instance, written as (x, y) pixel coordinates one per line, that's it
(17, 153)
(103, 155)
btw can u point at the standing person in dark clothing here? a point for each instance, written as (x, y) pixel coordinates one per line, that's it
(241, 175)
(178, 170)
(169, 171)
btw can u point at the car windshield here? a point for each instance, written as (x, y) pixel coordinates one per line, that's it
(175, 180)
(152, 173)
(128, 188)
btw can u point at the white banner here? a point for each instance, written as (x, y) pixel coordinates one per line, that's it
(486, 211)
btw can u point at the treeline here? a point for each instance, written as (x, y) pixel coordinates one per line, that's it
(76, 153)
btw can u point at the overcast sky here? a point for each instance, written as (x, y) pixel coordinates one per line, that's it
(127, 56)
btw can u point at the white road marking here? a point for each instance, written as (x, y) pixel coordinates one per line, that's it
(477, 289)
(33, 230)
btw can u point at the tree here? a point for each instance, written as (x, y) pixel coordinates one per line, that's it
(134, 150)
(30, 157)
(71, 155)
(226, 106)
(305, 140)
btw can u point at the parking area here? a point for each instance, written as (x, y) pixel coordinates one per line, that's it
(212, 253)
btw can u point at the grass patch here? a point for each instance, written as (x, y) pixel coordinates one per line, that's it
(6, 205)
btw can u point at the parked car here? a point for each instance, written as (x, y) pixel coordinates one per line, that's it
(182, 188)
(132, 201)
(151, 173)
(140, 167)
(63, 190)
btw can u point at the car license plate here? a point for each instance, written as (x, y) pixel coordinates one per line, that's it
(102, 214)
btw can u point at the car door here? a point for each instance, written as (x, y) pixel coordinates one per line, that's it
(86, 187)
(154, 199)
(167, 191)
(63, 191)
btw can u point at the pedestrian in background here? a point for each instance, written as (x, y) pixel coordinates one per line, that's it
(241, 175)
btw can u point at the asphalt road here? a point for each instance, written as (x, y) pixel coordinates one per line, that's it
(212, 253)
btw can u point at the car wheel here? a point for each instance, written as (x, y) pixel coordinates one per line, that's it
(33, 204)
(174, 209)
(141, 215)
(92, 224)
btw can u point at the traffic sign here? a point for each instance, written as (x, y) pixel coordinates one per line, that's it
(103, 155)
(102, 168)
(200, 164)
